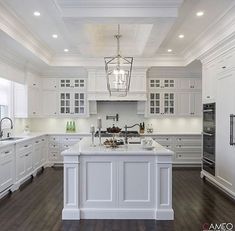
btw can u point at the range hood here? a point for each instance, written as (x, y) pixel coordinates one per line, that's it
(97, 86)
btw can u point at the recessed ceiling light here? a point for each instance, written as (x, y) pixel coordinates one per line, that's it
(200, 13)
(36, 13)
(181, 36)
(66, 50)
(169, 50)
(55, 36)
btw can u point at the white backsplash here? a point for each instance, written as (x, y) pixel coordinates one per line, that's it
(127, 115)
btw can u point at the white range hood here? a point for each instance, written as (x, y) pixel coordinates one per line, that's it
(97, 86)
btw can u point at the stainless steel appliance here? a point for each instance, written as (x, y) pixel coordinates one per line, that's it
(209, 132)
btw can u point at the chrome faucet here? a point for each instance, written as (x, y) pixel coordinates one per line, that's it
(1, 131)
(126, 130)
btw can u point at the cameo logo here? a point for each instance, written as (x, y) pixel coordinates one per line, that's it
(217, 227)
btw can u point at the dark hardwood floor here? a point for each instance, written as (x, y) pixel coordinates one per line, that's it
(38, 206)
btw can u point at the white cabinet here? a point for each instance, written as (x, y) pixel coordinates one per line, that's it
(187, 148)
(73, 103)
(24, 160)
(7, 167)
(209, 79)
(161, 83)
(59, 143)
(37, 153)
(190, 84)
(225, 153)
(50, 103)
(27, 101)
(189, 104)
(72, 83)
(174, 96)
(50, 84)
(161, 103)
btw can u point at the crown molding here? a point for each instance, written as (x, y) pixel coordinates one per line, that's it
(120, 3)
(11, 24)
(218, 33)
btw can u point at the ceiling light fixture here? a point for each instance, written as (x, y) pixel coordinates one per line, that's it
(66, 50)
(118, 71)
(200, 13)
(181, 36)
(36, 13)
(169, 50)
(55, 36)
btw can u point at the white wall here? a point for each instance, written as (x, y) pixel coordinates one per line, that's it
(127, 114)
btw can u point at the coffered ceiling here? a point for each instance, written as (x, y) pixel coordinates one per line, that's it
(87, 27)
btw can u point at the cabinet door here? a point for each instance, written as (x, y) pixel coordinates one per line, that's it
(49, 83)
(155, 103)
(29, 162)
(168, 103)
(44, 150)
(196, 104)
(6, 168)
(225, 153)
(37, 154)
(65, 103)
(79, 103)
(20, 166)
(50, 103)
(65, 83)
(169, 83)
(209, 80)
(184, 103)
(34, 102)
(155, 84)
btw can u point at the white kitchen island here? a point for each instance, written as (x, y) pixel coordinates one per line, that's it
(128, 182)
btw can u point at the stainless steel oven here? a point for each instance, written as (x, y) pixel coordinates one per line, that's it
(209, 132)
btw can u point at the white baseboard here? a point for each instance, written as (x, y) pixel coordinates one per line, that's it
(165, 214)
(213, 180)
(70, 214)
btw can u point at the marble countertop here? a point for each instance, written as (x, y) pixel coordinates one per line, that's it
(84, 148)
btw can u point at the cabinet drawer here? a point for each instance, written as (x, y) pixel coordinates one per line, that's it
(162, 139)
(7, 151)
(21, 147)
(188, 147)
(188, 156)
(54, 139)
(53, 155)
(188, 139)
(54, 146)
(71, 139)
(168, 146)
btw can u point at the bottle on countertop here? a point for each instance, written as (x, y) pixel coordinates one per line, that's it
(142, 128)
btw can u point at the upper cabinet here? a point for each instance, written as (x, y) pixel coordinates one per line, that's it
(72, 83)
(174, 96)
(158, 83)
(51, 97)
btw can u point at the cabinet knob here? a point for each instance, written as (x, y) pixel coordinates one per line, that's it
(6, 152)
(224, 67)
(208, 97)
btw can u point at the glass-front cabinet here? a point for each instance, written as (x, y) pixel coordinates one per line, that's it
(74, 83)
(162, 83)
(72, 103)
(161, 103)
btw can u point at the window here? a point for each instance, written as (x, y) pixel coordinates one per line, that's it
(5, 98)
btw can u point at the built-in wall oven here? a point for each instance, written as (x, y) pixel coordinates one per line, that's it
(209, 125)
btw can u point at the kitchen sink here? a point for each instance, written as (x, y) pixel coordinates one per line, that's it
(11, 138)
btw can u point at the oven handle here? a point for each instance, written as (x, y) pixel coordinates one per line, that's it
(208, 162)
(208, 110)
(207, 134)
(231, 130)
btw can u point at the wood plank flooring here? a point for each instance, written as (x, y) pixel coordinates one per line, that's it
(38, 206)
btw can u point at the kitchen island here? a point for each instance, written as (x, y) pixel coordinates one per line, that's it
(127, 182)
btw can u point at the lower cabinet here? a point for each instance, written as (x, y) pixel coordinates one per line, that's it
(24, 159)
(187, 148)
(59, 143)
(7, 167)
